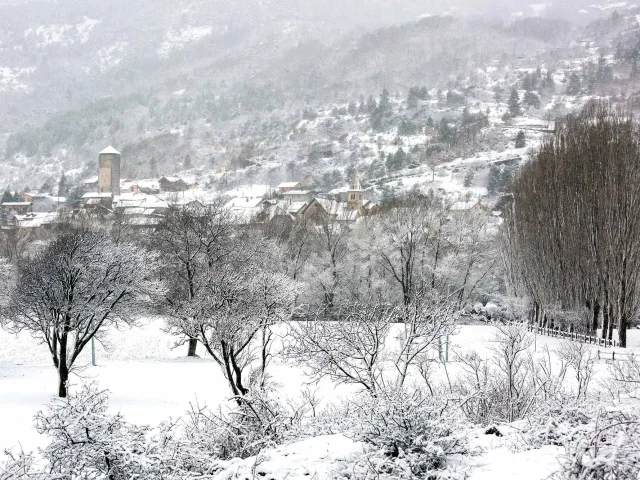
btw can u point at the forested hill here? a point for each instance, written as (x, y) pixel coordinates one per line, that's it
(188, 78)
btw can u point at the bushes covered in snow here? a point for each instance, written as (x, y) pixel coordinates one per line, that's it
(609, 448)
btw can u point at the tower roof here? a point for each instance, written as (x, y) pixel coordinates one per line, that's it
(109, 151)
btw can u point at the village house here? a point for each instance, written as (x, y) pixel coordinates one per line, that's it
(288, 186)
(11, 209)
(173, 184)
(293, 196)
(43, 202)
(468, 207)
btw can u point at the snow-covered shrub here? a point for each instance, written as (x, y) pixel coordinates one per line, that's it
(580, 358)
(87, 442)
(608, 449)
(410, 434)
(623, 378)
(501, 388)
(20, 466)
(557, 424)
(257, 422)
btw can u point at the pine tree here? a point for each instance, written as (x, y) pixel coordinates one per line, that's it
(468, 178)
(514, 104)
(575, 85)
(532, 100)
(63, 187)
(493, 179)
(7, 196)
(371, 104)
(187, 161)
(385, 102)
(521, 141)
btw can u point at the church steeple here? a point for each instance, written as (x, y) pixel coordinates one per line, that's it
(355, 197)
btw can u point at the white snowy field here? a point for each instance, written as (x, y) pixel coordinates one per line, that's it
(149, 382)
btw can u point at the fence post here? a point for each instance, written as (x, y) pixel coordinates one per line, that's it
(613, 355)
(598, 354)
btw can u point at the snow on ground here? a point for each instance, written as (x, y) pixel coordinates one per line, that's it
(13, 79)
(109, 57)
(62, 34)
(312, 458)
(150, 381)
(177, 40)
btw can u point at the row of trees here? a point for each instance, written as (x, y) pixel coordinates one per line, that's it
(572, 237)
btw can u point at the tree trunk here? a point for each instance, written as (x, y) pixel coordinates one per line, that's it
(63, 367)
(63, 378)
(596, 317)
(193, 343)
(622, 332)
(605, 321)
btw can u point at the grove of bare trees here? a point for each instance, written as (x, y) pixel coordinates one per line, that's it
(572, 234)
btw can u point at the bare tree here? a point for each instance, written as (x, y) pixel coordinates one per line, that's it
(240, 300)
(190, 241)
(425, 323)
(347, 351)
(80, 285)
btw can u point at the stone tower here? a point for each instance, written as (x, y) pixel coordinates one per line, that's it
(109, 171)
(355, 197)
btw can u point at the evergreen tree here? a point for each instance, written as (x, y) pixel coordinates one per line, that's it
(371, 105)
(468, 178)
(514, 104)
(7, 196)
(63, 187)
(521, 141)
(385, 103)
(575, 85)
(505, 179)
(45, 188)
(153, 166)
(352, 109)
(493, 179)
(532, 100)
(550, 83)
(412, 98)
(187, 161)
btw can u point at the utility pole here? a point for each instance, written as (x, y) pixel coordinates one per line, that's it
(93, 352)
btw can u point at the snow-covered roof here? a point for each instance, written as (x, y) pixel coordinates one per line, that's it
(464, 206)
(90, 180)
(289, 185)
(129, 200)
(297, 192)
(109, 151)
(32, 220)
(16, 204)
(248, 191)
(240, 203)
(97, 195)
(171, 179)
(295, 207)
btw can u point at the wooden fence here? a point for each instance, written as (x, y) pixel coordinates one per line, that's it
(613, 355)
(578, 337)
